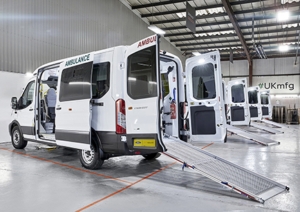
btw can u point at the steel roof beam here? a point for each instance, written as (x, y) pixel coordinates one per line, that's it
(256, 18)
(231, 35)
(293, 4)
(235, 40)
(238, 31)
(233, 46)
(157, 4)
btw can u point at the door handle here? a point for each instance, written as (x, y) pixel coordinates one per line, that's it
(58, 108)
(30, 109)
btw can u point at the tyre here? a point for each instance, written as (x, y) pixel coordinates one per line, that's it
(151, 156)
(91, 159)
(17, 139)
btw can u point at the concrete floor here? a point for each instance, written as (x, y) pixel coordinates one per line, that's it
(53, 180)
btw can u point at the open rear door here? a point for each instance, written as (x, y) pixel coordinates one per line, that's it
(205, 98)
(73, 109)
(254, 103)
(266, 106)
(142, 100)
(237, 92)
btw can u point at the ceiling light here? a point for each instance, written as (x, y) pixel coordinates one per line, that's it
(156, 29)
(283, 15)
(283, 48)
(196, 53)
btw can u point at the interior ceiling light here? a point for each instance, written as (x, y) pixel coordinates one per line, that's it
(156, 30)
(196, 53)
(283, 48)
(283, 15)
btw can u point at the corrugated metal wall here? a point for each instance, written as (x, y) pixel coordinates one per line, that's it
(39, 31)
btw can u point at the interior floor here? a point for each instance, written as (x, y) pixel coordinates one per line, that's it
(39, 179)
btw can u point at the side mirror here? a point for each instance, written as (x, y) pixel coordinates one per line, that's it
(14, 103)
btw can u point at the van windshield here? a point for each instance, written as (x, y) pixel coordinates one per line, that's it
(141, 72)
(203, 80)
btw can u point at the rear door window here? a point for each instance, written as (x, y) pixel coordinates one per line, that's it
(141, 80)
(237, 93)
(203, 80)
(100, 79)
(252, 96)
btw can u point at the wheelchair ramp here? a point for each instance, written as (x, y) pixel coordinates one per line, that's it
(236, 178)
(251, 136)
(265, 128)
(275, 124)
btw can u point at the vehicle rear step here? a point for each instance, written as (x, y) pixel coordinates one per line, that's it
(234, 177)
(251, 136)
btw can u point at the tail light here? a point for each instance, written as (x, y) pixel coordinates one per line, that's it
(120, 117)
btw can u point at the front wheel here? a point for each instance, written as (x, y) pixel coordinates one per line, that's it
(90, 159)
(151, 156)
(17, 139)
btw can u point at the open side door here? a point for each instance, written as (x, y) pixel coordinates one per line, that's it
(237, 92)
(254, 103)
(266, 106)
(205, 98)
(142, 103)
(73, 108)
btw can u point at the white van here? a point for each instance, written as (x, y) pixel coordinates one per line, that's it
(237, 102)
(254, 103)
(108, 104)
(266, 105)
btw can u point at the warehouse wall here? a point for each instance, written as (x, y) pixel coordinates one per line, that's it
(283, 78)
(39, 31)
(12, 84)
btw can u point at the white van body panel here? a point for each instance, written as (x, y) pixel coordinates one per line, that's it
(254, 103)
(238, 108)
(206, 109)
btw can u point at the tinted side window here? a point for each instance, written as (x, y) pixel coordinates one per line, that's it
(100, 79)
(76, 83)
(252, 95)
(237, 93)
(264, 99)
(141, 72)
(203, 79)
(27, 97)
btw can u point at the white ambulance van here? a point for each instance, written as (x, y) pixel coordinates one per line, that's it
(237, 102)
(266, 105)
(107, 103)
(254, 103)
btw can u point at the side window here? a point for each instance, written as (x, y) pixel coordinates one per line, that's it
(141, 72)
(237, 93)
(27, 97)
(100, 79)
(76, 83)
(203, 79)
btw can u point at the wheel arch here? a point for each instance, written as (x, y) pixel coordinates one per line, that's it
(12, 125)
